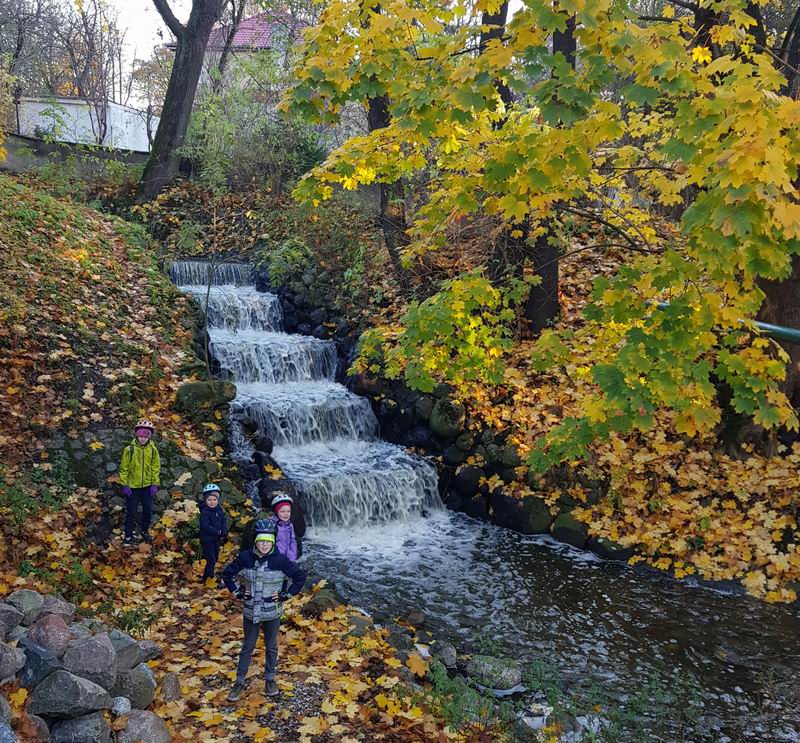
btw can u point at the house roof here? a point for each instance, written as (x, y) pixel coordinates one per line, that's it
(253, 33)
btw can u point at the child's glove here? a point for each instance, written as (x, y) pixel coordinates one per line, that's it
(283, 596)
(127, 492)
(242, 594)
(153, 490)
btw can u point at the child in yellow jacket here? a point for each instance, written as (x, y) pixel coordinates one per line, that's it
(139, 473)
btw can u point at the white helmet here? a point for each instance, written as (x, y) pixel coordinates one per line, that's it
(281, 498)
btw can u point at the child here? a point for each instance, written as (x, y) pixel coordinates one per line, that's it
(139, 473)
(263, 569)
(286, 541)
(213, 528)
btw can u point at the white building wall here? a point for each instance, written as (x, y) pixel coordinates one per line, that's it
(74, 120)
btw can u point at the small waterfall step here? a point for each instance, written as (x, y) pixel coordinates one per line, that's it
(195, 273)
(272, 357)
(235, 308)
(302, 412)
(355, 482)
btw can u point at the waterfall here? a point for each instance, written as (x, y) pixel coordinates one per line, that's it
(195, 273)
(326, 438)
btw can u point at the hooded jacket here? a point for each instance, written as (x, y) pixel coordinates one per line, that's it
(213, 523)
(260, 578)
(286, 542)
(140, 466)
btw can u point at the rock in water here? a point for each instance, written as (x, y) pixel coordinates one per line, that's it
(51, 632)
(528, 515)
(91, 728)
(138, 685)
(127, 650)
(63, 695)
(39, 664)
(28, 602)
(144, 727)
(11, 660)
(495, 673)
(93, 658)
(567, 529)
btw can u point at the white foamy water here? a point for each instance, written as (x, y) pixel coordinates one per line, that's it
(273, 358)
(235, 308)
(326, 438)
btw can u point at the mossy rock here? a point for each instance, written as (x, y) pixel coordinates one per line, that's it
(608, 549)
(528, 515)
(567, 529)
(199, 399)
(447, 418)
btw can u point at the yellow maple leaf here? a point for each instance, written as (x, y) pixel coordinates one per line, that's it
(95, 445)
(701, 55)
(17, 699)
(417, 665)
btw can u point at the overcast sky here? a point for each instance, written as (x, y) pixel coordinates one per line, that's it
(142, 23)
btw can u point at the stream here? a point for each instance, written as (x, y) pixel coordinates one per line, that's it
(379, 530)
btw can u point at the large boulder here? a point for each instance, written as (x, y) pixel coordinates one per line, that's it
(39, 664)
(150, 650)
(51, 632)
(6, 712)
(7, 735)
(608, 549)
(199, 399)
(28, 602)
(567, 529)
(91, 728)
(128, 652)
(10, 618)
(467, 480)
(528, 515)
(144, 727)
(11, 660)
(93, 658)
(447, 418)
(63, 695)
(138, 685)
(495, 673)
(57, 605)
(36, 730)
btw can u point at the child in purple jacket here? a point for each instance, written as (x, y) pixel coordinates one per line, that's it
(286, 542)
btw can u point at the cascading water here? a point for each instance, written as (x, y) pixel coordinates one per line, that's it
(597, 621)
(326, 438)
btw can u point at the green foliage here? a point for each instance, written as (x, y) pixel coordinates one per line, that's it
(288, 261)
(644, 118)
(459, 334)
(136, 622)
(188, 535)
(44, 486)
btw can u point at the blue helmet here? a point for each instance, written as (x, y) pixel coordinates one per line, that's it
(210, 489)
(265, 526)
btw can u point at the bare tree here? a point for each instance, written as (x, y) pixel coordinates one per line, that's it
(150, 79)
(191, 40)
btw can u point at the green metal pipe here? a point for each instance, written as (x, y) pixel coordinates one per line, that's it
(778, 332)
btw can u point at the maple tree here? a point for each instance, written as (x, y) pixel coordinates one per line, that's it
(645, 115)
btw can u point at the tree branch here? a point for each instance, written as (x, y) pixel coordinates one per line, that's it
(174, 25)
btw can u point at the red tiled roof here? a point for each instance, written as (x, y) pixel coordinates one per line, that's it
(255, 32)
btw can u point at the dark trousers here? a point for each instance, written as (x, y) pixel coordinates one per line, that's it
(210, 547)
(270, 630)
(137, 496)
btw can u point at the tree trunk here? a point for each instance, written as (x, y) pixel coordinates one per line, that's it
(191, 41)
(542, 307)
(392, 216)
(782, 307)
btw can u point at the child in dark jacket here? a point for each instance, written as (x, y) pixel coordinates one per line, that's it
(262, 570)
(213, 528)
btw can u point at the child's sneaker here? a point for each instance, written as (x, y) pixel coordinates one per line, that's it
(271, 689)
(235, 692)
(147, 538)
(127, 542)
